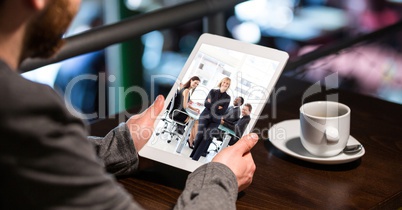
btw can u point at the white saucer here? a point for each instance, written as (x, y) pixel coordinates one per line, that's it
(286, 137)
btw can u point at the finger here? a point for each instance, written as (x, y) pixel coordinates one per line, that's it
(246, 143)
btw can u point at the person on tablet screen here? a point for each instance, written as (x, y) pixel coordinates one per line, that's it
(181, 103)
(240, 125)
(47, 160)
(232, 114)
(216, 104)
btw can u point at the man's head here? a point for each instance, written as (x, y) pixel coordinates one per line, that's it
(238, 101)
(35, 27)
(246, 110)
(45, 31)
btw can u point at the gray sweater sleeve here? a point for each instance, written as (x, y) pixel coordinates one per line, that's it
(117, 151)
(211, 186)
(47, 161)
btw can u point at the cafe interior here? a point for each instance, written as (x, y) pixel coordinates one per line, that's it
(358, 41)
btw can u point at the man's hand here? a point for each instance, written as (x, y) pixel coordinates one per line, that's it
(238, 158)
(222, 121)
(142, 125)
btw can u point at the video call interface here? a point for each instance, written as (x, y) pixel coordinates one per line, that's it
(249, 78)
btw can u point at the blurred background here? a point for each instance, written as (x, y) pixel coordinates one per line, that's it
(115, 75)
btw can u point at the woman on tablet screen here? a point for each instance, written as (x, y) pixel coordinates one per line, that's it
(215, 104)
(181, 102)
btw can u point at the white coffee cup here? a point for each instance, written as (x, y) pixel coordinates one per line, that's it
(325, 127)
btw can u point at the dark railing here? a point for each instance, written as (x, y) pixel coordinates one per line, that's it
(99, 38)
(335, 47)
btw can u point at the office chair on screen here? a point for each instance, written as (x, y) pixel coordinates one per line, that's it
(217, 144)
(217, 141)
(168, 126)
(171, 126)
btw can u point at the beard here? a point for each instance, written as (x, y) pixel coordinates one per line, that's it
(44, 33)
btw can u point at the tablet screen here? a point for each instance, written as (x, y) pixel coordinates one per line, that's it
(252, 72)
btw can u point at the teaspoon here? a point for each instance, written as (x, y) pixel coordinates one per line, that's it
(350, 149)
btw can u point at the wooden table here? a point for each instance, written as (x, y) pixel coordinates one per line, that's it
(284, 182)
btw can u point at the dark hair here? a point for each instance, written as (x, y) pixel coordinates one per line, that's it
(241, 100)
(188, 83)
(249, 106)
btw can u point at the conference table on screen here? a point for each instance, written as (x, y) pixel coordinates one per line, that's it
(182, 141)
(282, 181)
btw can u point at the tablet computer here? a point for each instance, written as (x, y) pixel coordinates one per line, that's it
(253, 71)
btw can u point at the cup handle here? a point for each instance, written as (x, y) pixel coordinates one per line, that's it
(332, 134)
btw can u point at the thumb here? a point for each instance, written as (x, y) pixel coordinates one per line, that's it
(246, 143)
(157, 106)
(153, 111)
